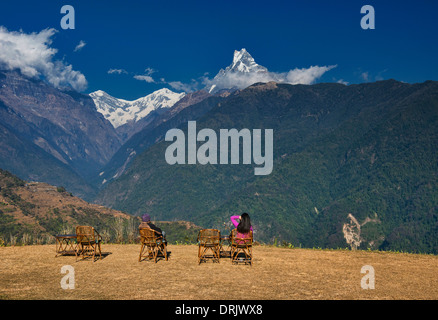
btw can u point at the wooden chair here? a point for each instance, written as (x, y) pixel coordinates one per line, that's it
(209, 241)
(241, 245)
(152, 244)
(88, 242)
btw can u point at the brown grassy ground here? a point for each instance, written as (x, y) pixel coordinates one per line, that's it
(33, 272)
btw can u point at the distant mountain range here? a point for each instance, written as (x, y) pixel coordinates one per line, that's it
(143, 122)
(350, 162)
(365, 151)
(154, 127)
(128, 117)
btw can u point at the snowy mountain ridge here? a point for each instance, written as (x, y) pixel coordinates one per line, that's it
(120, 111)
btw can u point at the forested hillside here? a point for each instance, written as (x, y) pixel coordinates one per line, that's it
(368, 150)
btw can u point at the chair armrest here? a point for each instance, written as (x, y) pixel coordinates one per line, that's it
(98, 235)
(159, 234)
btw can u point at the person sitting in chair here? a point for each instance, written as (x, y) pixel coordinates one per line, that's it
(244, 226)
(146, 223)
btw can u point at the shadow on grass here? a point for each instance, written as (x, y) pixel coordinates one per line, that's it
(96, 258)
(159, 257)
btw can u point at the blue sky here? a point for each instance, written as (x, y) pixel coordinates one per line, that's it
(184, 40)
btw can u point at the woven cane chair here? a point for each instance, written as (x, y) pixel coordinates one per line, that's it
(241, 247)
(209, 245)
(88, 242)
(152, 244)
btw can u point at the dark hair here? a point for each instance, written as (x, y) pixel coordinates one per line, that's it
(244, 225)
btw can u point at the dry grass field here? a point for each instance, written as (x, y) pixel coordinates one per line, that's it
(33, 272)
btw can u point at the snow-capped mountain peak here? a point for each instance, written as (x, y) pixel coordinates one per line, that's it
(238, 74)
(244, 62)
(120, 111)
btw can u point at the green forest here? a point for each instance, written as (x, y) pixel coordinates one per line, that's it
(369, 150)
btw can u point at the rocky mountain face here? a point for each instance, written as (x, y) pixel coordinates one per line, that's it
(50, 135)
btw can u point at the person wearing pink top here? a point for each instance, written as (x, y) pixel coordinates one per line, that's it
(244, 226)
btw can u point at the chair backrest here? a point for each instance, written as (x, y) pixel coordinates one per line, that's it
(148, 235)
(85, 233)
(209, 236)
(241, 239)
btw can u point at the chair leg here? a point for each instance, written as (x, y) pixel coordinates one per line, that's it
(97, 247)
(155, 254)
(165, 251)
(150, 252)
(141, 251)
(218, 254)
(78, 252)
(81, 252)
(199, 254)
(100, 251)
(93, 247)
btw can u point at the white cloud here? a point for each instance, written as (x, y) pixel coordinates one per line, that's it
(146, 78)
(149, 71)
(306, 76)
(117, 71)
(80, 45)
(365, 76)
(33, 55)
(241, 80)
(186, 87)
(342, 81)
